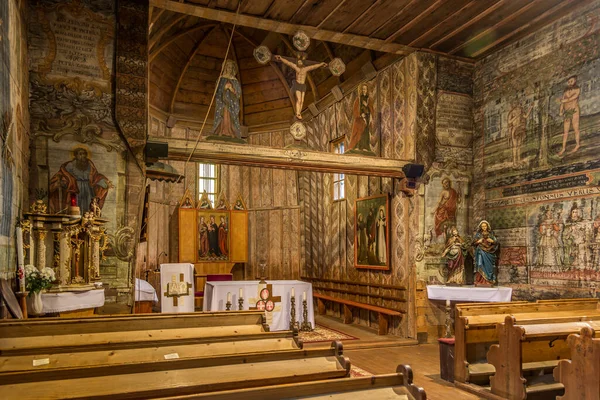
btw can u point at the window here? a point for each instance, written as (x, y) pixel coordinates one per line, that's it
(339, 190)
(208, 180)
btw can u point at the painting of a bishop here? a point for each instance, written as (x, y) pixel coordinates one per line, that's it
(80, 178)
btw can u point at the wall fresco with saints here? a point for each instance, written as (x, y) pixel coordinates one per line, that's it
(77, 149)
(537, 137)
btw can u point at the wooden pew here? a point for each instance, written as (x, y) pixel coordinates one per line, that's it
(384, 313)
(581, 374)
(520, 345)
(376, 387)
(32, 364)
(475, 328)
(187, 376)
(86, 334)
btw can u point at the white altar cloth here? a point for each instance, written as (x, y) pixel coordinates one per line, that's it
(69, 301)
(144, 291)
(215, 298)
(170, 273)
(469, 293)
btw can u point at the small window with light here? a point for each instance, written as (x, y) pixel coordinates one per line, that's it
(339, 189)
(208, 180)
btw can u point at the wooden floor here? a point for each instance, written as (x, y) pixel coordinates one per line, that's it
(384, 353)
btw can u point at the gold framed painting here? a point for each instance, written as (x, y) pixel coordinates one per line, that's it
(372, 232)
(213, 235)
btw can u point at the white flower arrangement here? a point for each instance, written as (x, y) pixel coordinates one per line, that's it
(36, 280)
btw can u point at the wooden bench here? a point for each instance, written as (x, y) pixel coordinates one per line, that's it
(520, 345)
(376, 387)
(581, 374)
(86, 334)
(475, 328)
(183, 377)
(384, 313)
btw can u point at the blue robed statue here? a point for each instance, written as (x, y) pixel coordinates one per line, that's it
(486, 246)
(227, 111)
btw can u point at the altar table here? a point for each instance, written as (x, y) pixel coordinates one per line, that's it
(215, 299)
(62, 302)
(469, 293)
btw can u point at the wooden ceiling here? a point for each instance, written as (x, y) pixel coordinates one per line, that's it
(188, 38)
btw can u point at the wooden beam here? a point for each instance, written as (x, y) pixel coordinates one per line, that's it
(270, 9)
(341, 3)
(283, 27)
(522, 28)
(158, 35)
(469, 23)
(414, 21)
(187, 65)
(390, 19)
(304, 3)
(446, 20)
(494, 27)
(274, 67)
(294, 159)
(173, 38)
(361, 16)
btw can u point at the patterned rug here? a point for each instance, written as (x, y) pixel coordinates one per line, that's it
(322, 334)
(356, 372)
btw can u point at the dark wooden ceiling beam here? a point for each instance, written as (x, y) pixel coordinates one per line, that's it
(164, 29)
(187, 65)
(155, 52)
(269, 9)
(283, 27)
(393, 17)
(341, 3)
(446, 20)
(295, 14)
(556, 9)
(473, 20)
(489, 30)
(415, 20)
(361, 16)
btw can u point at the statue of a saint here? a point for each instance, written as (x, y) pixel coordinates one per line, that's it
(455, 253)
(485, 245)
(227, 109)
(299, 84)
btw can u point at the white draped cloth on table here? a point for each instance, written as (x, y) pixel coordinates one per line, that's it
(70, 301)
(469, 293)
(180, 276)
(215, 299)
(144, 291)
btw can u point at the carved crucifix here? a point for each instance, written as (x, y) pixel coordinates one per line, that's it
(176, 289)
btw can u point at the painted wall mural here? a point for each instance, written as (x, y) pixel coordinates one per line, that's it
(537, 129)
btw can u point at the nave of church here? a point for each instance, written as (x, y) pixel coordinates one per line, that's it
(267, 199)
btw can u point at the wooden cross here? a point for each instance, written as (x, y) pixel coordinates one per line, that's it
(177, 289)
(266, 301)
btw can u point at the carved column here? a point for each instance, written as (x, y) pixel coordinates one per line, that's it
(64, 268)
(41, 248)
(95, 265)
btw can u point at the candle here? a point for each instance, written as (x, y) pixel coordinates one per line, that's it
(229, 297)
(20, 262)
(447, 303)
(293, 292)
(303, 296)
(241, 296)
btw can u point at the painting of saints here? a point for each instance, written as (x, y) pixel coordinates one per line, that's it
(575, 239)
(80, 178)
(445, 212)
(361, 122)
(548, 245)
(223, 231)
(381, 241)
(227, 108)
(517, 123)
(486, 246)
(213, 238)
(569, 110)
(202, 237)
(455, 253)
(363, 246)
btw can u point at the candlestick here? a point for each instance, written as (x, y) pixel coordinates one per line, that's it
(228, 306)
(293, 322)
(240, 303)
(448, 321)
(306, 325)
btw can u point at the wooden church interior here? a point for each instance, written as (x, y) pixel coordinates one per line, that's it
(268, 199)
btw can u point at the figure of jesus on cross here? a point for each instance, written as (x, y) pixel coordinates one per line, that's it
(299, 84)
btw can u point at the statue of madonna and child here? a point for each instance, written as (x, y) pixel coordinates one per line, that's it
(484, 248)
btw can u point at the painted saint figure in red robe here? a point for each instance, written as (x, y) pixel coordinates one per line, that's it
(445, 213)
(223, 231)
